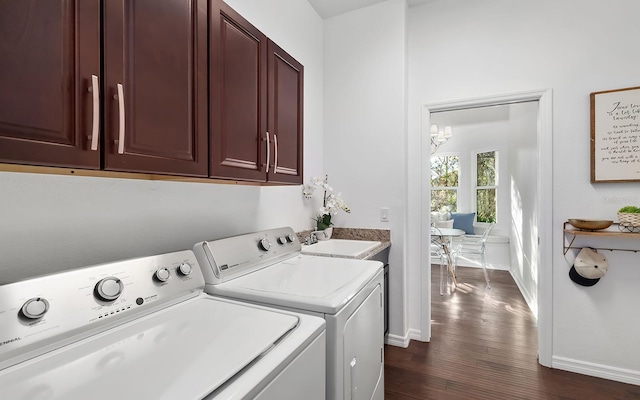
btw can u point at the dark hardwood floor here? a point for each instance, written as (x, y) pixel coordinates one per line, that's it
(484, 346)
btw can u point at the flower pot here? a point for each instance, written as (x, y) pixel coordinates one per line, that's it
(629, 222)
(629, 218)
(325, 234)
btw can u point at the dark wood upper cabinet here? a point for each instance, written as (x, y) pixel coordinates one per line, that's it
(256, 103)
(49, 51)
(238, 90)
(187, 88)
(155, 73)
(285, 115)
(57, 109)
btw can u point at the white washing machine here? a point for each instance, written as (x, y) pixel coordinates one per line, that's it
(267, 268)
(144, 329)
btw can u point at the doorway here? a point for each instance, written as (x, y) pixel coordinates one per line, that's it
(539, 217)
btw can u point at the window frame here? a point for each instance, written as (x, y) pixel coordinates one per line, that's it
(475, 187)
(456, 188)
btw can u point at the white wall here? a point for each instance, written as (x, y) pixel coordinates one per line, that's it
(460, 49)
(50, 223)
(523, 190)
(365, 128)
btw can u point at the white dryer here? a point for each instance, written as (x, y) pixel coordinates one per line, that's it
(144, 329)
(267, 268)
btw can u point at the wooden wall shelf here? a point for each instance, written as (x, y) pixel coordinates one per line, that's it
(571, 233)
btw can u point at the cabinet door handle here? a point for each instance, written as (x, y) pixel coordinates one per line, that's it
(95, 89)
(121, 117)
(275, 146)
(268, 152)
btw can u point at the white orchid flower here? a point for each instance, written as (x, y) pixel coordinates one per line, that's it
(307, 190)
(332, 203)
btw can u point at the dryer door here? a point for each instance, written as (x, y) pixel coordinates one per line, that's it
(363, 349)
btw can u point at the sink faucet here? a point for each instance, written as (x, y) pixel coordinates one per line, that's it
(311, 239)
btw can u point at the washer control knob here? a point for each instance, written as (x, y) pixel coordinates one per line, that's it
(291, 238)
(35, 308)
(162, 274)
(264, 244)
(109, 289)
(282, 240)
(184, 269)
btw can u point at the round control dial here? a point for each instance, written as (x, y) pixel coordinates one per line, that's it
(290, 238)
(162, 274)
(109, 289)
(35, 308)
(282, 240)
(264, 244)
(185, 269)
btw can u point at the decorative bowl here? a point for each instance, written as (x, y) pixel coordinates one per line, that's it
(590, 224)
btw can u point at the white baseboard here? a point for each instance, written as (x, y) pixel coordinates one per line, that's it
(415, 334)
(597, 370)
(398, 341)
(531, 302)
(403, 341)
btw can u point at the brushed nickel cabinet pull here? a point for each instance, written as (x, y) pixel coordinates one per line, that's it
(268, 152)
(95, 132)
(121, 118)
(275, 146)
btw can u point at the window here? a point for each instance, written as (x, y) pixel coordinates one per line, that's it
(445, 171)
(486, 186)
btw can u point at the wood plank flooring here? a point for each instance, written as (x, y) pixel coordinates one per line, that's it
(484, 346)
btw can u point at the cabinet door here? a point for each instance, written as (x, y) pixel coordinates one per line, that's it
(48, 52)
(238, 141)
(285, 115)
(155, 52)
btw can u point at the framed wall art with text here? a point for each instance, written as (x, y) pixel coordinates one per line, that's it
(615, 135)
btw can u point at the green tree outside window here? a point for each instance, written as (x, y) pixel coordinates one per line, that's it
(445, 171)
(486, 185)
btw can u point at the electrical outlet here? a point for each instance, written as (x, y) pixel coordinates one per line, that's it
(384, 214)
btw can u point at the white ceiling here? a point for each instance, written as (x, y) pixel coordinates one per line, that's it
(330, 8)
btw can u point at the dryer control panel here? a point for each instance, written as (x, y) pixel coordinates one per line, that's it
(232, 257)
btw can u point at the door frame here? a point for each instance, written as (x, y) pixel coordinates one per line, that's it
(545, 208)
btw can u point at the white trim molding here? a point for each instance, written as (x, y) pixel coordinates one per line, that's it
(526, 294)
(544, 259)
(399, 341)
(415, 334)
(597, 370)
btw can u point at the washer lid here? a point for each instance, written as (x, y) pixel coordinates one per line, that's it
(182, 352)
(321, 284)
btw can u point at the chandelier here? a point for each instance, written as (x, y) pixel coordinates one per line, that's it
(439, 136)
